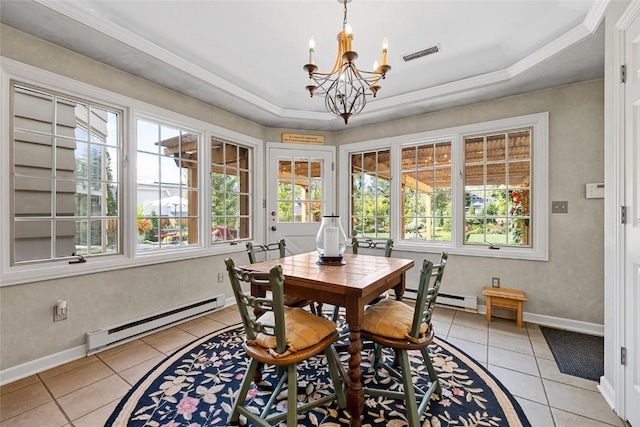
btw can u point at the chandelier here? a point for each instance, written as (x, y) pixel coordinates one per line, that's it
(345, 87)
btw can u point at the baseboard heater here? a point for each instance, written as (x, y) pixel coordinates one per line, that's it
(100, 339)
(453, 300)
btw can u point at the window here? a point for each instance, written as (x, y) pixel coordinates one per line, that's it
(426, 192)
(300, 190)
(167, 186)
(82, 170)
(497, 175)
(231, 194)
(464, 190)
(370, 194)
(66, 176)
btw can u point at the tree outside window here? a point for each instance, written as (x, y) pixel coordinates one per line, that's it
(370, 194)
(497, 190)
(426, 192)
(230, 191)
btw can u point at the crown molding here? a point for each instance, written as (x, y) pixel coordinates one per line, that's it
(587, 27)
(70, 10)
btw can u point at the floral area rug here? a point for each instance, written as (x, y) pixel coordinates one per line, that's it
(196, 387)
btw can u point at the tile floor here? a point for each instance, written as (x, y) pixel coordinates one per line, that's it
(83, 393)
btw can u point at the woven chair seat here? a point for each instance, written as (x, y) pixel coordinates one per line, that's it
(263, 354)
(392, 319)
(302, 330)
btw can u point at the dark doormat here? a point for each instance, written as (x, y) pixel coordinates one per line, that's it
(576, 354)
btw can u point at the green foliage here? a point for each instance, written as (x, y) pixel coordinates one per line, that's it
(155, 230)
(371, 205)
(224, 195)
(112, 203)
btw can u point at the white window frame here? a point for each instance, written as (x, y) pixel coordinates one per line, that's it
(162, 118)
(539, 185)
(55, 269)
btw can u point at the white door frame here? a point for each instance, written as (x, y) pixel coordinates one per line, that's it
(615, 331)
(330, 193)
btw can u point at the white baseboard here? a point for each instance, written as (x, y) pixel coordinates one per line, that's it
(607, 392)
(33, 367)
(557, 322)
(36, 366)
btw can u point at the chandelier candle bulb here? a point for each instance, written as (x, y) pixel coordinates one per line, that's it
(376, 76)
(385, 46)
(312, 46)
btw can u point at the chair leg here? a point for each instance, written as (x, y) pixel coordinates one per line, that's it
(244, 389)
(413, 417)
(336, 313)
(257, 375)
(377, 356)
(396, 359)
(333, 360)
(292, 396)
(432, 372)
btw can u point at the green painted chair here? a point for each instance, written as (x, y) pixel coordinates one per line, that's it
(394, 324)
(280, 336)
(253, 250)
(367, 243)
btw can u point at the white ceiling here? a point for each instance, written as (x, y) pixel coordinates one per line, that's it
(247, 56)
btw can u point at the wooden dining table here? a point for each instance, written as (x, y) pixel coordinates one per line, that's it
(352, 286)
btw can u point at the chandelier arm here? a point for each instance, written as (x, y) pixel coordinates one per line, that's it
(345, 87)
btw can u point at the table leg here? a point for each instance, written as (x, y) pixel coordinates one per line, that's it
(398, 289)
(488, 309)
(355, 393)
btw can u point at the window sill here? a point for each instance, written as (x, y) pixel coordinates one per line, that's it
(60, 269)
(527, 254)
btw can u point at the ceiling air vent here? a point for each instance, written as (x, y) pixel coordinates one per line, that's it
(421, 53)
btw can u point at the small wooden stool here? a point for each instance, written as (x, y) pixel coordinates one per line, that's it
(511, 299)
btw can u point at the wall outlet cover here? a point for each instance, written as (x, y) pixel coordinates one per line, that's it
(59, 315)
(495, 282)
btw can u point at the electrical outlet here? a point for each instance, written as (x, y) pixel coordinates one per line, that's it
(60, 311)
(495, 282)
(220, 277)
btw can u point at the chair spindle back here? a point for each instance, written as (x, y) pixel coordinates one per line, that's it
(428, 289)
(367, 243)
(248, 304)
(253, 250)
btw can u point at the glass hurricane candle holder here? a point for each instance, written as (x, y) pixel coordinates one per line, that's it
(331, 241)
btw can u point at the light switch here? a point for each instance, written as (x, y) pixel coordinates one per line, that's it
(559, 207)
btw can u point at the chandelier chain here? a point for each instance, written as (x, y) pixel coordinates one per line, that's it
(344, 20)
